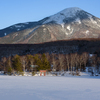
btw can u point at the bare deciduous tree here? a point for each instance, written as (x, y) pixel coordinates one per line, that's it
(4, 59)
(72, 62)
(24, 62)
(93, 60)
(67, 56)
(54, 62)
(61, 61)
(85, 56)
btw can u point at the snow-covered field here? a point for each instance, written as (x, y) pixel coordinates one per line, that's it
(49, 88)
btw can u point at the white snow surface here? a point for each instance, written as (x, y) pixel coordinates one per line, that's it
(49, 88)
(66, 13)
(5, 34)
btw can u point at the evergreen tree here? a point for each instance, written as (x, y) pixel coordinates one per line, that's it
(43, 63)
(30, 61)
(37, 61)
(17, 63)
(9, 70)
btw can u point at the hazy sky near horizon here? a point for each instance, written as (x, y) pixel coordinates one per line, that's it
(19, 11)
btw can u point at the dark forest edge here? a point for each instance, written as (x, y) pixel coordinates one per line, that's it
(79, 46)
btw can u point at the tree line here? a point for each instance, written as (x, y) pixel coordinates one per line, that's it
(56, 62)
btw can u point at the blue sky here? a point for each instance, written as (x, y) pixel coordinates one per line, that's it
(19, 11)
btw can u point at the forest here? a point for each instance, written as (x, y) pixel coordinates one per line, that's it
(73, 62)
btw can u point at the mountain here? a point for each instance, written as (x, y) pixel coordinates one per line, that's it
(71, 23)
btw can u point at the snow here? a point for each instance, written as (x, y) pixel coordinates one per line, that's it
(66, 13)
(44, 29)
(68, 27)
(93, 21)
(91, 55)
(5, 34)
(89, 15)
(62, 25)
(87, 32)
(19, 26)
(66, 33)
(26, 23)
(49, 88)
(18, 29)
(98, 20)
(16, 35)
(78, 20)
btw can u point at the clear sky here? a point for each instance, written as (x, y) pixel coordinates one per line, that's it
(19, 11)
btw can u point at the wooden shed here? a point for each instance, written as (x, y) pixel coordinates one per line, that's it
(42, 72)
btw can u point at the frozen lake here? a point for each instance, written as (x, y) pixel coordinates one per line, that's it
(49, 88)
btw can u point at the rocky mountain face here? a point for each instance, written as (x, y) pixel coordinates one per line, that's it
(71, 23)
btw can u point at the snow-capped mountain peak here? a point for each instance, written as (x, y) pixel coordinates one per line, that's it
(60, 16)
(70, 12)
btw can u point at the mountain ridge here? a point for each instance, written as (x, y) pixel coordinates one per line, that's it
(70, 23)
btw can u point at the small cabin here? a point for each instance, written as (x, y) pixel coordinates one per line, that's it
(42, 72)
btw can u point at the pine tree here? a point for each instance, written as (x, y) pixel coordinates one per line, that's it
(43, 63)
(9, 70)
(30, 61)
(17, 63)
(37, 61)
